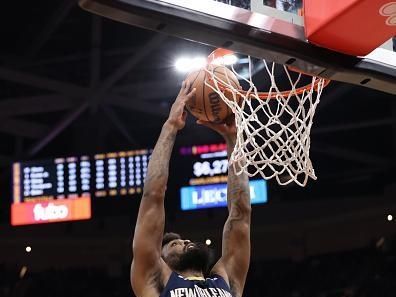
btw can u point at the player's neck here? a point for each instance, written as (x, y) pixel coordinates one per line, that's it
(191, 274)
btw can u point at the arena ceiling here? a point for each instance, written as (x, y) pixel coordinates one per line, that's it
(76, 83)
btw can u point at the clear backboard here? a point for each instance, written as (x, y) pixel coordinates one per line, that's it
(273, 136)
(269, 29)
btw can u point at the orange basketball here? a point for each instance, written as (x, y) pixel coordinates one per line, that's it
(207, 105)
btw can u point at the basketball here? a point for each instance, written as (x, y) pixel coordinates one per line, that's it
(207, 105)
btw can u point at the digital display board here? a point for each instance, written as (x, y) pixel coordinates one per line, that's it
(215, 195)
(120, 173)
(205, 183)
(61, 189)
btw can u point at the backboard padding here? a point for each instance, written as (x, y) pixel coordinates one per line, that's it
(246, 32)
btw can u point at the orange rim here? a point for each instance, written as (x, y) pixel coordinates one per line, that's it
(221, 52)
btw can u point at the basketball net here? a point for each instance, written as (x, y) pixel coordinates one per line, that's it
(273, 128)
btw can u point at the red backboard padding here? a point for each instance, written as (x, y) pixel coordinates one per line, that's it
(354, 27)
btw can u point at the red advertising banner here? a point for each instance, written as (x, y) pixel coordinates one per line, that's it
(52, 211)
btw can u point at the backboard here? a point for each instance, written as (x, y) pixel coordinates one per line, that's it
(269, 29)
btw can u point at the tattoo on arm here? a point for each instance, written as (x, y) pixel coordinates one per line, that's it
(236, 233)
(238, 193)
(149, 232)
(158, 168)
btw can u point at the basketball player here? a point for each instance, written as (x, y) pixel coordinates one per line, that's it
(168, 266)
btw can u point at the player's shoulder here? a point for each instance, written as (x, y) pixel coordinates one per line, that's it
(218, 270)
(219, 273)
(152, 284)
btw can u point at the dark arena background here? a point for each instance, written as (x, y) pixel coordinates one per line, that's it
(82, 101)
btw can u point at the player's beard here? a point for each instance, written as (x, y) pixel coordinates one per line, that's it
(198, 258)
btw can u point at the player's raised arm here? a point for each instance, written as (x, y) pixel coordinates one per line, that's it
(234, 262)
(147, 265)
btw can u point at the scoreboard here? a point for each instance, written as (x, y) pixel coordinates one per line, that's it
(120, 173)
(206, 185)
(102, 175)
(61, 189)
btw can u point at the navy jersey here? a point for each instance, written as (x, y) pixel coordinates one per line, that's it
(179, 286)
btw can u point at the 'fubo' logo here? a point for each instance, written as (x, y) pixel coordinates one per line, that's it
(389, 10)
(49, 212)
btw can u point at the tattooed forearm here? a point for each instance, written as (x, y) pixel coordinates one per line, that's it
(235, 217)
(238, 192)
(158, 168)
(236, 233)
(235, 258)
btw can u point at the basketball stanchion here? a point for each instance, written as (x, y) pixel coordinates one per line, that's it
(273, 127)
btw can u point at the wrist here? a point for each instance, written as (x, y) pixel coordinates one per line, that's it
(169, 125)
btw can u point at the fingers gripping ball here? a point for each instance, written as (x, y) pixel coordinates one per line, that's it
(207, 105)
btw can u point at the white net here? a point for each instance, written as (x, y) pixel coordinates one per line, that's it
(273, 128)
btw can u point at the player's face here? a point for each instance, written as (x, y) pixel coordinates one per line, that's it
(182, 254)
(177, 247)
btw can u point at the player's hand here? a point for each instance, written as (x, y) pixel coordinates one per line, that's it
(227, 130)
(178, 115)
